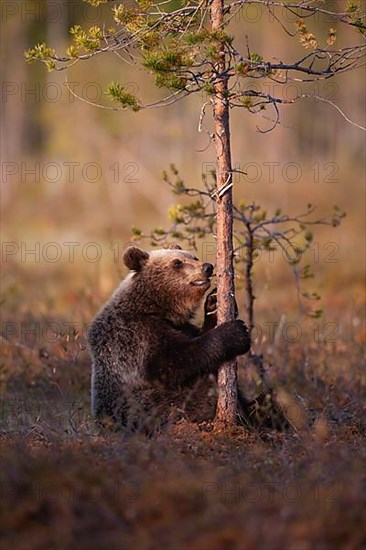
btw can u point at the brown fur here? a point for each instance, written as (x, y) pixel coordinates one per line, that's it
(148, 358)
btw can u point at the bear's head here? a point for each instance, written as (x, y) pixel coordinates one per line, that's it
(173, 281)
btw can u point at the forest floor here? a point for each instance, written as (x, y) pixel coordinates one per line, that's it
(64, 485)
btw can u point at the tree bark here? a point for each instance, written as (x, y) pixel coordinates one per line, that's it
(227, 377)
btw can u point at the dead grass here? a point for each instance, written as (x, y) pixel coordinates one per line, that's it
(64, 485)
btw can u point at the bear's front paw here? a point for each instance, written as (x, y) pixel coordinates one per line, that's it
(236, 338)
(211, 305)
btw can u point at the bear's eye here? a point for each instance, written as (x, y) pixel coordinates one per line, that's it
(177, 264)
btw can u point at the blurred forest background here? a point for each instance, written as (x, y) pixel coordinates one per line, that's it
(76, 173)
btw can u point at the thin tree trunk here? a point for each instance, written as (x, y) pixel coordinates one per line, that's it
(249, 281)
(227, 384)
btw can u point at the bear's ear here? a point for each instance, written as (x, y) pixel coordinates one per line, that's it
(134, 258)
(175, 246)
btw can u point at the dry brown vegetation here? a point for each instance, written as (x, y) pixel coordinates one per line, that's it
(64, 485)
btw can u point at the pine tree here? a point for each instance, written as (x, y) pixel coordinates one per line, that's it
(187, 49)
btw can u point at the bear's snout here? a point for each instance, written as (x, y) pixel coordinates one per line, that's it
(207, 269)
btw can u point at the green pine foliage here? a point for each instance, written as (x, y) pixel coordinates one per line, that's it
(87, 41)
(117, 93)
(175, 44)
(42, 53)
(355, 14)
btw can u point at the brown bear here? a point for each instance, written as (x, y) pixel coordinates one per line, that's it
(149, 361)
